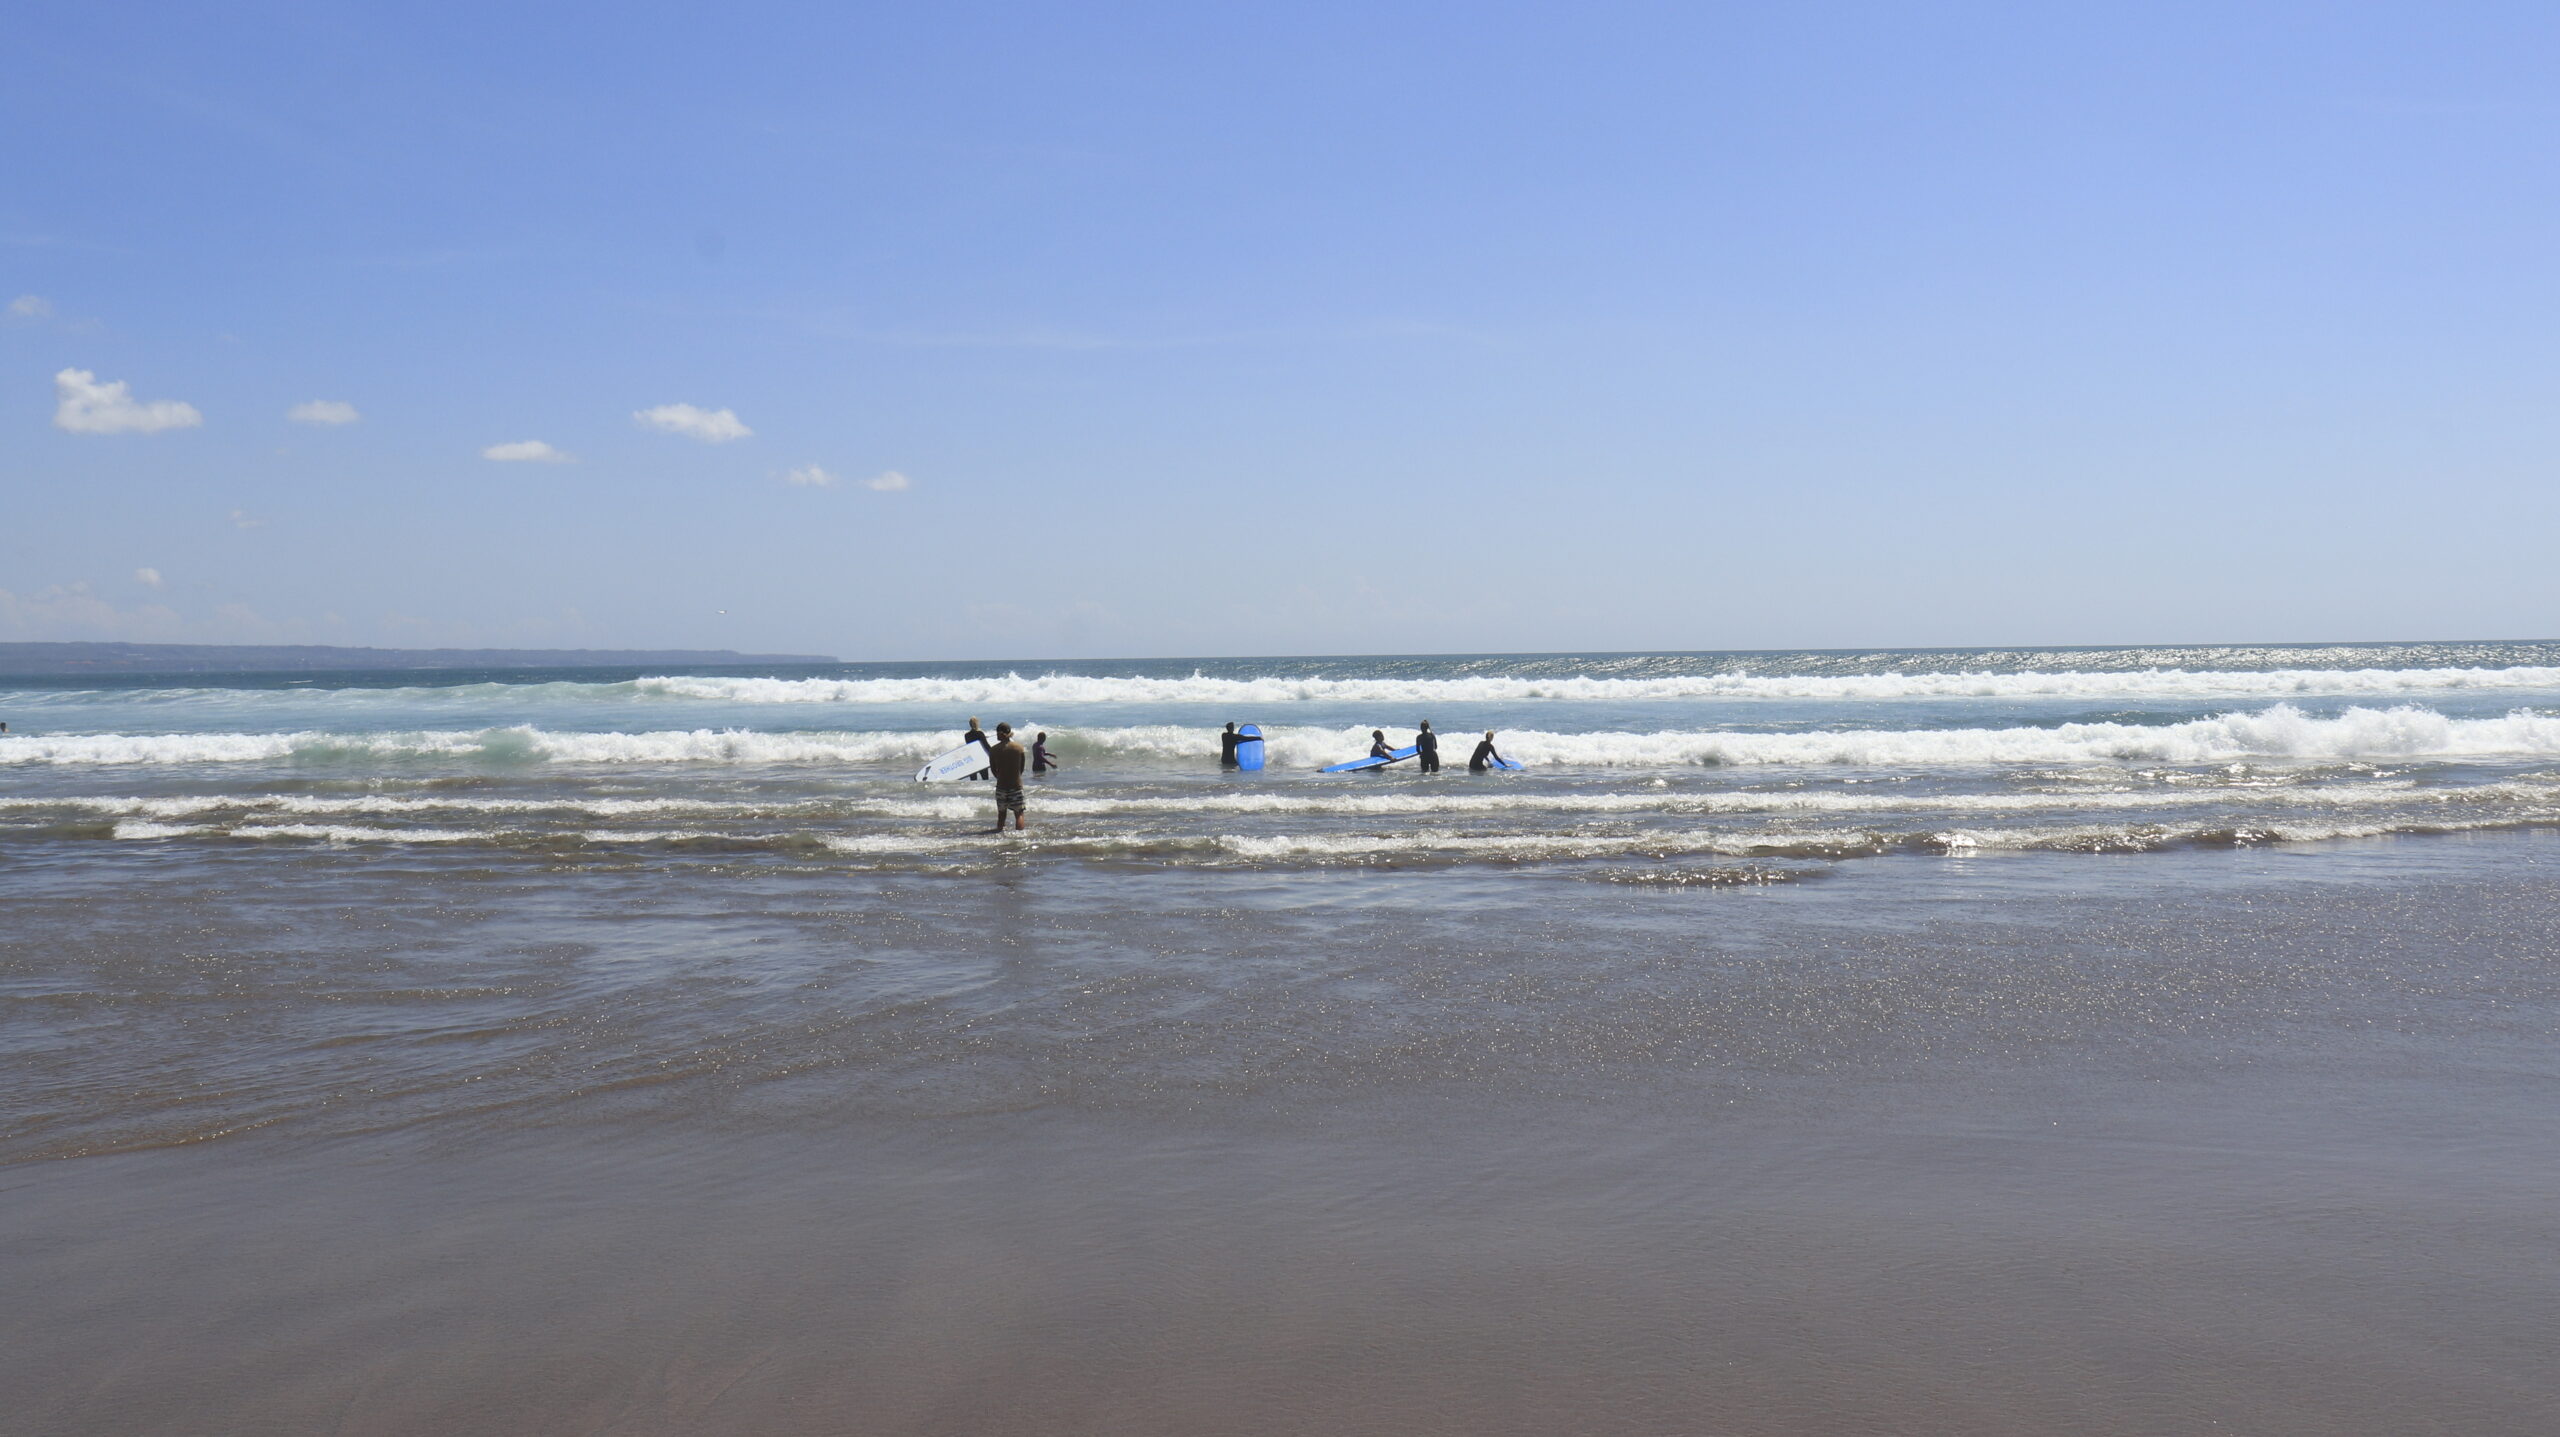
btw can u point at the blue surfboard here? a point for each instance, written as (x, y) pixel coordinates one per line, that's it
(1503, 763)
(1358, 764)
(1249, 755)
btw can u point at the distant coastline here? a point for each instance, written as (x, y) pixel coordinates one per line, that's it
(50, 659)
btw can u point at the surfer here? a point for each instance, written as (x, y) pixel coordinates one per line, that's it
(1378, 749)
(1227, 745)
(977, 736)
(1426, 746)
(1484, 757)
(1005, 759)
(1040, 760)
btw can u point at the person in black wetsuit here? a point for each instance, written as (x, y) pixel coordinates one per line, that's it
(977, 736)
(1426, 746)
(1229, 742)
(1484, 757)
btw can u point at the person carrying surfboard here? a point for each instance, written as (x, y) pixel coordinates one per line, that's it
(1228, 742)
(1426, 746)
(1005, 759)
(1484, 757)
(977, 736)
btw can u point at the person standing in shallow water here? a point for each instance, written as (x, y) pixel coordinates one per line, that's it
(977, 736)
(1426, 746)
(1040, 761)
(1228, 742)
(1484, 757)
(1005, 760)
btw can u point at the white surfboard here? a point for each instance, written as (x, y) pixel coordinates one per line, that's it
(961, 762)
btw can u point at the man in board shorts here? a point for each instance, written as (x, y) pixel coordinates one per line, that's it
(1005, 759)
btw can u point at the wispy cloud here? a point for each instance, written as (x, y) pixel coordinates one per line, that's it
(888, 481)
(527, 451)
(147, 578)
(30, 308)
(711, 426)
(243, 519)
(78, 611)
(323, 411)
(75, 611)
(85, 406)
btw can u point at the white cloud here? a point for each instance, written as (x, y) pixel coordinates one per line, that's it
(241, 519)
(323, 411)
(31, 306)
(84, 406)
(812, 476)
(527, 451)
(888, 481)
(711, 426)
(147, 578)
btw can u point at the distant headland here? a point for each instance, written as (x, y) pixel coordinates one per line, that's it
(81, 658)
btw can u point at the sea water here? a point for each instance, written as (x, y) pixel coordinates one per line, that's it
(1653, 761)
(2107, 1040)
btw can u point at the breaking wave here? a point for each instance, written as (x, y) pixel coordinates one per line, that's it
(1424, 846)
(2281, 731)
(1061, 690)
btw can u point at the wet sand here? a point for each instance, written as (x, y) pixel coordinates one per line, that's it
(2260, 1142)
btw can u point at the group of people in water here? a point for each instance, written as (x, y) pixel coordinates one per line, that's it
(1008, 760)
(1426, 747)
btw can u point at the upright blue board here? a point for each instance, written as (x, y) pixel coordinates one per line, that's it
(1249, 755)
(1358, 764)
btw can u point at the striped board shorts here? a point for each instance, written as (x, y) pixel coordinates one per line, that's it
(1009, 798)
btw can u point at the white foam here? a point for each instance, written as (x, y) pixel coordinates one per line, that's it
(1346, 801)
(360, 833)
(1059, 690)
(2281, 731)
(519, 743)
(144, 828)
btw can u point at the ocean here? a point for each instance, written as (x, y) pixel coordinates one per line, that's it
(1965, 1041)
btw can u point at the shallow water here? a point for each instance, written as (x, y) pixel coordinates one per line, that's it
(1652, 1134)
(1672, 759)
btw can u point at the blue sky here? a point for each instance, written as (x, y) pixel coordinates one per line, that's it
(1195, 330)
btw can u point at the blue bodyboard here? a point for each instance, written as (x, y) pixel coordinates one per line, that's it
(1358, 764)
(1249, 755)
(1507, 765)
